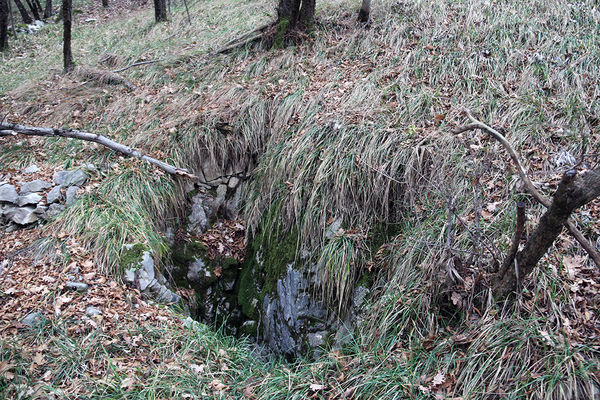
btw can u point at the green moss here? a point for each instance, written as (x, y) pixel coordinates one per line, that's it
(187, 252)
(130, 258)
(260, 278)
(279, 40)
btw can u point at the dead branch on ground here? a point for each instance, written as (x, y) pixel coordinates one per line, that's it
(8, 129)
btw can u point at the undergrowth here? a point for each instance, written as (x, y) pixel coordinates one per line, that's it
(354, 125)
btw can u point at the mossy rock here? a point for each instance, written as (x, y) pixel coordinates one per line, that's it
(185, 253)
(266, 262)
(131, 257)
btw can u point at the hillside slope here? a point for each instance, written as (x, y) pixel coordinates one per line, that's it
(349, 152)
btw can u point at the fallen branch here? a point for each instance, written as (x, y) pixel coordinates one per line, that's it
(8, 129)
(245, 39)
(475, 124)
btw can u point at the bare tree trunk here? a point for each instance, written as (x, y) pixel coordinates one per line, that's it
(67, 55)
(293, 15)
(365, 11)
(105, 3)
(160, 10)
(38, 7)
(3, 25)
(307, 14)
(23, 11)
(34, 10)
(12, 20)
(575, 190)
(48, 9)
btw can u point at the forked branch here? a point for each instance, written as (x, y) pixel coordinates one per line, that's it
(476, 124)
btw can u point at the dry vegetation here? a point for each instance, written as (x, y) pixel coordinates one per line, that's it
(354, 124)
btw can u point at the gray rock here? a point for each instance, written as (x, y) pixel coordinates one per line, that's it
(198, 220)
(317, 339)
(32, 169)
(146, 272)
(290, 315)
(233, 182)
(210, 171)
(71, 195)
(54, 195)
(34, 186)
(197, 271)
(232, 206)
(40, 209)
(129, 276)
(24, 216)
(220, 199)
(31, 198)
(92, 312)
(75, 177)
(8, 194)
(7, 210)
(53, 211)
(79, 286)
(33, 320)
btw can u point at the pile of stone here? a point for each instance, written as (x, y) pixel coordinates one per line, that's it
(30, 202)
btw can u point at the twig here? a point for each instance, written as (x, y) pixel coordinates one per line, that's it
(589, 247)
(245, 39)
(187, 10)
(8, 129)
(137, 64)
(514, 247)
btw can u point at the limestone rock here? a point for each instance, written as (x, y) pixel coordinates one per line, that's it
(24, 216)
(34, 186)
(75, 177)
(198, 220)
(8, 194)
(71, 195)
(33, 320)
(54, 195)
(79, 286)
(32, 169)
(53, 211)
(40, 209)
(31, 198)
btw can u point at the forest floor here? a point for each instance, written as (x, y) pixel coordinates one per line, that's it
(397, 90)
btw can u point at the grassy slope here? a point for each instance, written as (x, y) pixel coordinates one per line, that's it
(531, 69)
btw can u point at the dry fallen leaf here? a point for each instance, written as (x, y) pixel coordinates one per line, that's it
(316, 387)
(438, 379)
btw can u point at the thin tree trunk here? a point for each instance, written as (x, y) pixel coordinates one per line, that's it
(365, 11)
(23, 11)
(67, 55)
(38, 7)
(575, 190)
(34, 10)
(105, 3)
(12, 20)
(48, 9)
(160, 10)
(3, 25)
